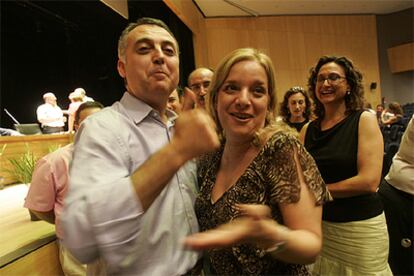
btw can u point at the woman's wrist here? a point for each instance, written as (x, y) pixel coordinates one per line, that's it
(276, 248)
(279, 238)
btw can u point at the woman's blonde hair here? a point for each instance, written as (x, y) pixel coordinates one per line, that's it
(220, 76)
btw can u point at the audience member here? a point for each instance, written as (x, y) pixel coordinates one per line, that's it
(48, 188)
(392, 115)
(132, 189)
(379, 110)
(368, 107)
(397, 193)
(260, 164)
(9, 132)
(346, 143)
(50, 115)
(174, 101)
(76, 100)
(295, 109)
(198, 81)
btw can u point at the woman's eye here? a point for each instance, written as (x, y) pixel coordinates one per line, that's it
(230, 88)
(260, 90)
(333, 77)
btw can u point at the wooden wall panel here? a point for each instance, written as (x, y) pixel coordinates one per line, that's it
(311, 24)
(295, 43)
(41, 262)
(279, 50)
(401, 58)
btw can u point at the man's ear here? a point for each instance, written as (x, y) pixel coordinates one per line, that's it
(121, 68)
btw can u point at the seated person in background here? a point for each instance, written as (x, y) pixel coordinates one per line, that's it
(392, 115)
(397, 194)
(50, 115)
(295, 109)
(9, 132)
(380, 109)
(174, 101)
(261, 184)
(48, 188)
(198, 81)
(76, 100)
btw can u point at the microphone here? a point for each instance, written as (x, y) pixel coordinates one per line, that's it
(11, 116)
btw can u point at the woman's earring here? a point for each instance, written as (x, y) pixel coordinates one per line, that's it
(348, 92)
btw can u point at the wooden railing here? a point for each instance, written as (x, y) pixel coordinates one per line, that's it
(16, 146)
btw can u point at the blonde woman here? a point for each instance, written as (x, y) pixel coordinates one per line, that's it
(261, 188)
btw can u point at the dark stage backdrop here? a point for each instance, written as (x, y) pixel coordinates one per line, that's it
(57, 46)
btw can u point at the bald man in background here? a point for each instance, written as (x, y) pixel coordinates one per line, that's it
(50, 115)
(199, 81)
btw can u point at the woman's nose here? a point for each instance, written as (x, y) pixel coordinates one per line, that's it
(243, 98)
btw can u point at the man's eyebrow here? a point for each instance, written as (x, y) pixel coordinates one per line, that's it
(144, 40)
(151, 41)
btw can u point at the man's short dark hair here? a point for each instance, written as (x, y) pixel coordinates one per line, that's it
(84, 106)
(122, 42)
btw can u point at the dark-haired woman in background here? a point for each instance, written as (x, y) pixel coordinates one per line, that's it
(347, 145)
(295, 109)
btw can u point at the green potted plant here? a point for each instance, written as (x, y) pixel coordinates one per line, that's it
(22, 170)
(1, 154)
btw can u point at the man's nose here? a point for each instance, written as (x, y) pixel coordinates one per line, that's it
(159, 56)
(203, 90)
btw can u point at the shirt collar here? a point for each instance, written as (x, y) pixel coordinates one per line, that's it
(138, 110)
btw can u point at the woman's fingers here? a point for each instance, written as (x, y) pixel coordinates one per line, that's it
(255, 211)
(225, 235)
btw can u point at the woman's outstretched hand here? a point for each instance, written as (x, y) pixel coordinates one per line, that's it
(254, 226)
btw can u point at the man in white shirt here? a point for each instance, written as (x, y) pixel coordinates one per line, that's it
(133, 185)
(397, 194)
(50, 115)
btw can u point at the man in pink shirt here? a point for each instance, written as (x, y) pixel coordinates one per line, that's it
(49, 185)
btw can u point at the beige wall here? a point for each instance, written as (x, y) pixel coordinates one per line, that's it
(294, 43)
(192, 18)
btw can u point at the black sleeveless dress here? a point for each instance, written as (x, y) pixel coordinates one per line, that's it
(335, 151)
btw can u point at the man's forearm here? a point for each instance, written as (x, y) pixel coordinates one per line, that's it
(150, 179)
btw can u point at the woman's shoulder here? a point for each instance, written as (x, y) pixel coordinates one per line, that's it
(281, 140)
(207, 160)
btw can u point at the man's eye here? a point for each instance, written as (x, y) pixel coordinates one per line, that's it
(143, 49)
(169, 51)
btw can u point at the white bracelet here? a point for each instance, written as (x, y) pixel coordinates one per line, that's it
(278, 247)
